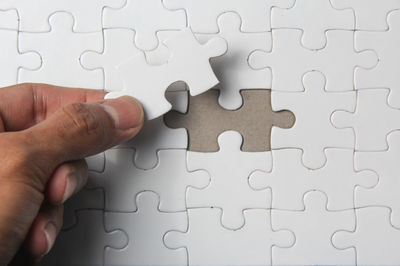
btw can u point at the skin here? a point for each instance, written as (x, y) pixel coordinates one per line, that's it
(45, 134)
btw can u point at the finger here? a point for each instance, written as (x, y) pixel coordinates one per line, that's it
(44, 230)
(79, 130)
(68, 179)
(24, 105)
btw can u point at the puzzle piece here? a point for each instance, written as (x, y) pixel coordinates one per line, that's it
(315, 18)
(189, 62)
(229, 169)
(148, 225)
(118, 45)
(146, 18)
(372, 120)
(337, 179)
(371, 15)
(289, 60)
(84, 244)
(12, 60)
(203, 14)
(122, 181)
(374, 239)
(206, 120)
(232, 69)
(386, 165)
(313, 132)
(61, 44)
(86, 199)
(313, 229)
(34, 15)
(8, 20)
(385, 74)
(208, 243)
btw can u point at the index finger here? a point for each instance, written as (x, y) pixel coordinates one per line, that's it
(24, 105)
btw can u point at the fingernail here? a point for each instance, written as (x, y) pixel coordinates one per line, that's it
(70, 187)
(126, 112)
(50, 232)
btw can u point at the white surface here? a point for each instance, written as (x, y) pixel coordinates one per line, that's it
(118, 45)
(386, 164)
(337, 179)
(12, 60)
(148, 225)
(369, 15)
(289, 60)
(146, 18)
(62, 45)
(34, 15)
(9, 19)
(314, 18)
(229, 169)
(208, 243)
(313, 131)
(376, 242)
(232, 69)
(313, 229)
(202, 15)
(122, 181)
(385, 74)
(372, 120)
(85, 243)
(197, 73)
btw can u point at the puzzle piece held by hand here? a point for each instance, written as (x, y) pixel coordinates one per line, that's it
(189, 62)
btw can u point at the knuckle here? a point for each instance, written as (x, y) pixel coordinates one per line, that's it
(82, 118)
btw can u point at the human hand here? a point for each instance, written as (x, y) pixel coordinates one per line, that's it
(45, 134)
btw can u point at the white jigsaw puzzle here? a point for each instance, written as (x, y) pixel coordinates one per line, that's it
(324, 191)
(289, 60)
(202, 15)
(371, 15)
(386, 165)
(337, 179)
(68, 51)
(229, 169)
(34, 15)
(208, 243)
(372, 120)
(149, 225)
(313, 131)
(12, 60)
(313, 228)
(385, 74)
(374, 240)
(122, 180)
(146, 18)
(314, 18)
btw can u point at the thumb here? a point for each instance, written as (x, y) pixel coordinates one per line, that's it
(79, 130)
